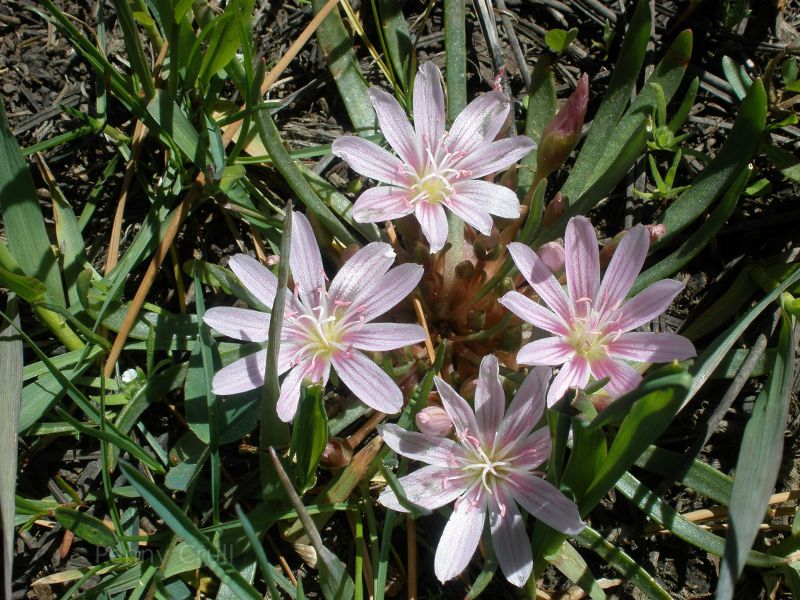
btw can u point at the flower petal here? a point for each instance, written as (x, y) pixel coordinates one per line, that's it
(545, 502)
(370, 160)
(368, 382)
(460, 536)
(290, 392)
(429, 487)
(651, 347)
(460, 412)
(434, 450)
(526, 408)
(532, 450)
(509, 538)
(582, 263)
(479, 117)
(647, 304)
(241, 375)
(575, 374)
(494, 199)
(623, 377)
(546, 351)
(305, 261)
(257, 278)
(396, 127)
(238, 323)
(534, 313)
(373, 260)
(378, 337)
(382, 203)
(497, 156)
(490, 400)
(471, 212)
(385, 292)
(622, 271)
(433, 221)
(541, 280)
(429, 106)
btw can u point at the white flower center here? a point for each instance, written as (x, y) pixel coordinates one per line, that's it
(433, 183)
(485, 463)
(589, 337)
(433, 188)
(321, 331)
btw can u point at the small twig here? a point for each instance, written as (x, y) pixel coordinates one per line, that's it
(513, 41)
(424, 324)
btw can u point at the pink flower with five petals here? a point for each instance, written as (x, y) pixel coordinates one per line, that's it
(488, 469)
(592, 324)
(436, 168)
(322, 326)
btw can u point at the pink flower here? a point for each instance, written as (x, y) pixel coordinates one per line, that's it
(436, 168)
(592, 324)
(489, 468)
(434, 421)
(321, 328)
(562, 134)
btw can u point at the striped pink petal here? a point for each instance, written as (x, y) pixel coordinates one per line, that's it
(478, 119)
(368, 382)
(490, 400)
(378, 337)
(383, 293)
(460, 536)
(472, 212)
(536, 314)
(496, 156)
(370, 160)
(541, 280)
(460, 412)
(546, 351)
(382, 203)
(624, 268)
(257, 278)
(433, 221)
(305, 261)
(437, 451)
(373, 260)
(238, 323)
(509, 538)
(429, 487)
(574, 373)
(623, 377)
(582, 263)
(648, 304)
(495, 199)
(542, 500)
(651, 347)
(526, 408)
(395, 127)
(429, 109)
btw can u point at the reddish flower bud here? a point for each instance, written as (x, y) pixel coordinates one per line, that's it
(552, 254)
(554, 210)
(337, 453)
(434, 420)
(563, 133)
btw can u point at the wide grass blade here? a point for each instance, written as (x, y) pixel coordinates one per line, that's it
(183, 527)
(10, 397)
(759, 461)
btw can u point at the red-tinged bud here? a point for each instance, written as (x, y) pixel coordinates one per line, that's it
(337, 453)
(608, 250)
(554, 210)
(563, 133)
(434, 420)
(552, 254)
(656, 232)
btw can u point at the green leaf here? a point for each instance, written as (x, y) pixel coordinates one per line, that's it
(786, 162)
(622, 562)
(171, 120)
(759, 461)
(10, 398)
(542, 107)
(337, 47)
(183, 527)
(397, 40)
(309, 435)
(86, 527)
(699, 476)
(646, 421)
(699, 239)
(571, 564)
(558, 40)
(29, 289)
(23, 222)
(224, 39)
(726, 167)
(616, 98)
(736, 75)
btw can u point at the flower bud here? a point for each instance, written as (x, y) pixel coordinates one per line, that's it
(563, 133)
(552, 254)
(486, 247)
(476, 320)
(554, 210)
(337, 453)
(656, 232)
(434, 420)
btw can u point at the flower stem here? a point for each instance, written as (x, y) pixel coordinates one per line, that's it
(455, 45)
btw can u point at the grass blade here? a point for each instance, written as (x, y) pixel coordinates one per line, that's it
(183, 527)
(10, 397)
(759, 461)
